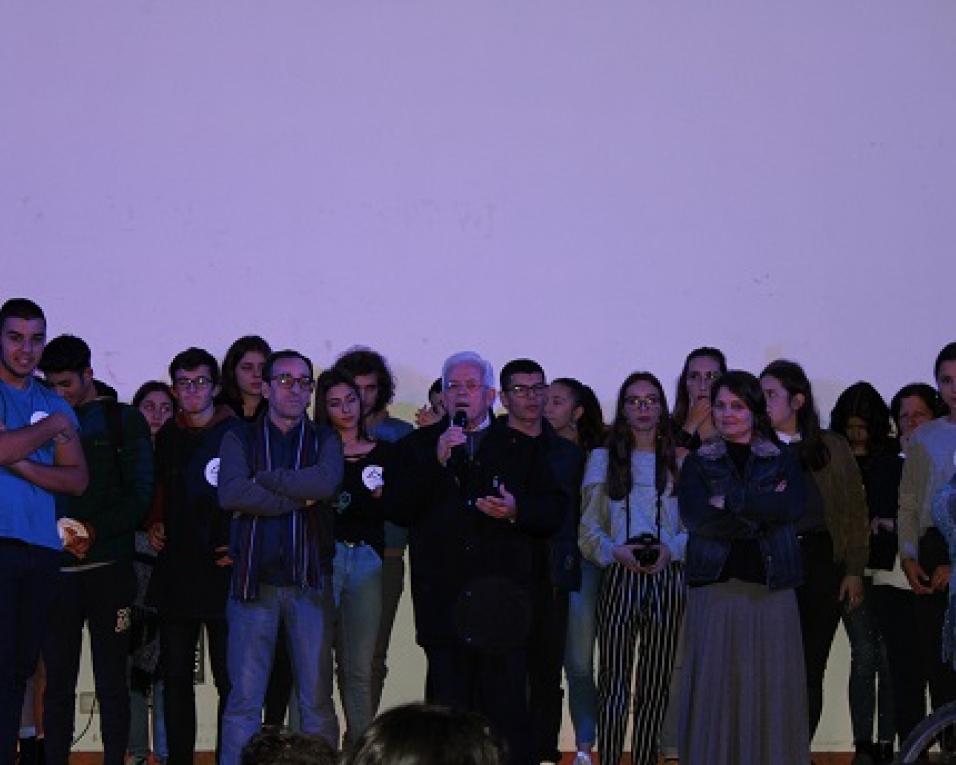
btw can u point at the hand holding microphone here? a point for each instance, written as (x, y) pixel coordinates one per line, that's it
(452, 442)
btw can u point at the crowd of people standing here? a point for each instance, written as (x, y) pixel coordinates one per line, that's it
(214, 503)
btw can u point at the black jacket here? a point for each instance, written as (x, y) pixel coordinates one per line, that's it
(473, 575)
(567, 462)
(186, 580)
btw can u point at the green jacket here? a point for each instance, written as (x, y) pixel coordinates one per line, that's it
(844, 503)
(121, 480)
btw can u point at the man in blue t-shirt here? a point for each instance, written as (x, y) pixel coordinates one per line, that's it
(40, 455)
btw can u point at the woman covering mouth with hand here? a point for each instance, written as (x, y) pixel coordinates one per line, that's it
(692, 414)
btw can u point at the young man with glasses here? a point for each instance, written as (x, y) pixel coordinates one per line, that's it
(478, 496)
(40, 456)
(273, 475)
(557, 563)
(190, 531)
(96, 588)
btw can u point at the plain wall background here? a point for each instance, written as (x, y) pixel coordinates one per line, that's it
(602, 186)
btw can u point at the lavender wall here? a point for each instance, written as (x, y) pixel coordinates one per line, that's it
(600, 185)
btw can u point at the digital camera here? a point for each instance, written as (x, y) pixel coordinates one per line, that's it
(647, 551)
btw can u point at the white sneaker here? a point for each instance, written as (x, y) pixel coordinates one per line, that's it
(582, 758)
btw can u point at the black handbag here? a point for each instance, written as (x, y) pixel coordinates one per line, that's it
(883, 549)
(933, 550)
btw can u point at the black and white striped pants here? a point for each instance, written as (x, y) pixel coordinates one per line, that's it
(644, 612)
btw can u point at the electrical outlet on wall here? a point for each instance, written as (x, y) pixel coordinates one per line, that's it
(88, 703)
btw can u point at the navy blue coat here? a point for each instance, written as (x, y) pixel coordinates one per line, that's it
(753, 509)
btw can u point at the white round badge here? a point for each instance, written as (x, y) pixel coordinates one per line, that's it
(372, 477)
(212, 471)
(37, 416)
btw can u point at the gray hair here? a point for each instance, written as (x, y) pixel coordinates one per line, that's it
(473, 359)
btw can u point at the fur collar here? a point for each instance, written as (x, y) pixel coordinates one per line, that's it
(716, 448)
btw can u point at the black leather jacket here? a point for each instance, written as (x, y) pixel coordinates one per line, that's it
(755, 507)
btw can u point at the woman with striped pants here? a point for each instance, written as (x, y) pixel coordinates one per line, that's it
(630, 526)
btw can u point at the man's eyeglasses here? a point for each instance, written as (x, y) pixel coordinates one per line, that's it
(469, 386)
(641, 402)
(288, 382)
(527, 391)
(189, 383)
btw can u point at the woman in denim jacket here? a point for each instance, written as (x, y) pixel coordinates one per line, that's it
(743, 696)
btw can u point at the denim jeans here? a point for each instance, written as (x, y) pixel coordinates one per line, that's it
(308, 616)
(141, 708)
(393, 583)
(27, 582)
(579, 654)
(357, 584)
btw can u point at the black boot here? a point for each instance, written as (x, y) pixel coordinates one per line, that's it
(28, 751)
(883, 753)
(864, 753)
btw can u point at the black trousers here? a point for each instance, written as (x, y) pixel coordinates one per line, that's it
(102, 598)
(28, 575)
(549, 629)
(493, 684)
(896, 614)
(930, 613)
(178, 637)
(819, 614)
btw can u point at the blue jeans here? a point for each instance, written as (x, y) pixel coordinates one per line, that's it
(307, 615)
(579, 654)
(140, 708)
(357, 584)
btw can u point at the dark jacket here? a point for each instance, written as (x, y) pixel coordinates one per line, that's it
(473, 575)
(844, 504)
(186, 580)
(281, 520)
(119, 457)
(567, 462)
(753, 509)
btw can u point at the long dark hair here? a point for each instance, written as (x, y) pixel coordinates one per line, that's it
(242, 346)
(682, 400)
(621, 442)
(747, 388)
(813, 452)
(592, 432)
(863, 400)
(328, 380)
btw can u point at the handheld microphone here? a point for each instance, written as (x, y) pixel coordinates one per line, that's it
(459, 454)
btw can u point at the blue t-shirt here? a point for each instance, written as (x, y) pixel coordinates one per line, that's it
(27, 512)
